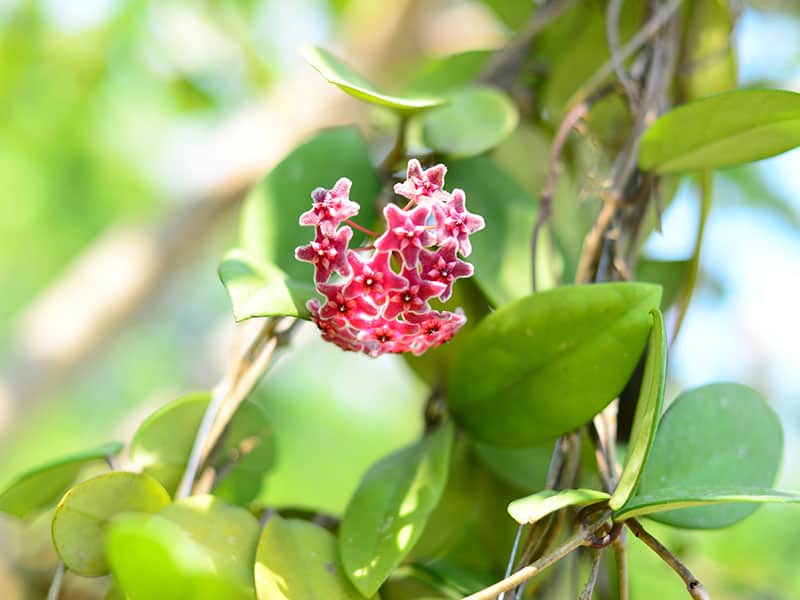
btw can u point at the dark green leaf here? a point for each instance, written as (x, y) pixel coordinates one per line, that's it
(297, 560)
(447, 73)
(501, 252)
(42, 486)
(163, 442)
(342, 76)
(258, 289)
(680, 498)
(723, 130)
(523, 467)
(270, 230)
(197, 549)
(390, 508)
(648, 412)
(722, 437)
(532, 508)
(474, 120)
(549, 362)
(669, 274)
(82, 516)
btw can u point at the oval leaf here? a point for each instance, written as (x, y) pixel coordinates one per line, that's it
(532, 508)
(82, 516)
(258, 289)
(723, 130)
(342, 76)
(42, 486)
(162, 444)
(198, 549)
(648, 412)
(270, 228)
(671, 275)
(524, 467)
(549, 362)
(718, 437)
(446, 73)
(297, 560)
(388, 512)
(475, 120)
(672, 499)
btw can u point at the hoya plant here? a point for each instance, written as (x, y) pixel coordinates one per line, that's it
(493, 244)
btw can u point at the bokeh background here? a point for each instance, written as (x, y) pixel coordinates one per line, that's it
(128, 130)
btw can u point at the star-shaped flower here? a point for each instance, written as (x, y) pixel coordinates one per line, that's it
(421, 184)
(414, 297)
(357, 312)
(327, 253)
(407, 232)
(373, 278)
(330, 207)
(444, 266)
(454, 221)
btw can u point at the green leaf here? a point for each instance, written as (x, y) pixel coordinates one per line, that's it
(723, 130)
(163, 442)
(722, 437)
(667, 500)
(475, 120)
(512, 13)
(388, 512)
(270, 230)
(648, 412)
(258, 289)
(446, 73)
(297, 560)
(549, 362)
(197, 549)
(709, 64)
(523, 467)
(342, 76)
(82, 516)
(501, 252)
(669, 274)
(536, 506)
(42, 486)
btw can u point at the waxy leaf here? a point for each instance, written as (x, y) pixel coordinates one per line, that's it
(270, 230)
(42, 486)
(475, 120)
(501, 252)
(297, 560)
(447, 73)
(547, 363)
(258, 289)
(342, 76)
(82, 517)
(671, 275)
(648, 412)
(163, 442)
(722, 439)
(389, 510)
(536, 506)
(197, 549)
(665, 501)
(723, 130)
(524, 467)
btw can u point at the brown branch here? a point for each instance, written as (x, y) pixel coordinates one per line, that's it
(621, 559)
(693, 586)
(588, 591)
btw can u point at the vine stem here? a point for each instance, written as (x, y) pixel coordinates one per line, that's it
(519, 577)
(228, 395)
(55, 586)
(693, 586)
(587, 592)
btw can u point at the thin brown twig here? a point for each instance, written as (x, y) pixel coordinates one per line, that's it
(621, 560)
(693, 586)
(588, 591)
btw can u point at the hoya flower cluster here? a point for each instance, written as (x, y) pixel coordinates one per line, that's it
(377, 298)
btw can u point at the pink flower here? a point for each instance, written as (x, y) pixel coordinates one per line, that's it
(414, 297)
(406, 232)
(330, 207)
(371, 308)
(444, 266)
(327, 253)
(421, 184)
(453, 221)
(373, 278)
